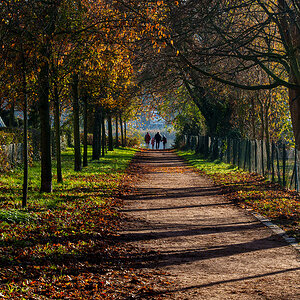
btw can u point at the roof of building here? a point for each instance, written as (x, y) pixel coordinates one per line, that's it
(2, 123)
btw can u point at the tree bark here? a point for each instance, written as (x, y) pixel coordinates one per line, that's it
(96, 134)
(290, 34)
(121, 128)
(117, 132)
(85, 129)
(77, 161)
(25, 135)
(57, 133)
(110, 134)
(294, 101)
(12, 113)
(103, 132)
(44, 111)
(125, 133)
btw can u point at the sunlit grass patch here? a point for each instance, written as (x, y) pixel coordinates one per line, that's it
(15, 216)
(58, 228)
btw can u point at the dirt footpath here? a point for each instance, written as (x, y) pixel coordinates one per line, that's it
(211, 248)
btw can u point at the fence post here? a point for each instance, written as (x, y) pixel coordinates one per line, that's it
(262, 158)
(255, 155)
(296, 171)
(283, 165)
(278, 166)
(245, 154)
(272, 161)
(249, 155)
(234, 152)
(228, 150)
(206, 142)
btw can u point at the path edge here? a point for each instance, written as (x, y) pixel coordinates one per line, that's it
(276, 229)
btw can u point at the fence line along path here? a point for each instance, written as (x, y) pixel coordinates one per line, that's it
(210, 248)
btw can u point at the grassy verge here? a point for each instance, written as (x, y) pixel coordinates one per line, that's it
(61, 246)
(252, 191)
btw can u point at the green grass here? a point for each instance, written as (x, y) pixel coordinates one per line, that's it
(111, 166)
(61, 231)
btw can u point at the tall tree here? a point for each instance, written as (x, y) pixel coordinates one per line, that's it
(76, 125)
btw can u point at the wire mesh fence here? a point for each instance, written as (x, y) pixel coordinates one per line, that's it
(274, 161)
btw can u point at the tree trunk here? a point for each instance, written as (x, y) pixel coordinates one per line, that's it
(12, 114)
(121, 127)
(110, 134)
(267, 134)
(85, 129)
(290, 33)
(253, 121)
(77, 166)
(44, 111)
(125, 133)
(25, 135)
(57, 133)
(103, 131)
(117, 132)
(294, 101)
(96, 135)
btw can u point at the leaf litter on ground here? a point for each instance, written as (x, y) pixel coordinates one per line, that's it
(64, 245)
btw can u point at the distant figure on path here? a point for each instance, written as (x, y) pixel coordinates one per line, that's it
(157, 140)
(164, 140)
(147, 139)
(152, 142)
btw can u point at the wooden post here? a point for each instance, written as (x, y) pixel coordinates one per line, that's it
(249, 156)
(284, 165)
(272, 161)
(255, 155)
(278, 165)
(246, 154)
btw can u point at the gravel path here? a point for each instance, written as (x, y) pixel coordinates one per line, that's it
(211, 248)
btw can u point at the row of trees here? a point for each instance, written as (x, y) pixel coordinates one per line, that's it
(55, 54)
(229, 66)
(238, 61)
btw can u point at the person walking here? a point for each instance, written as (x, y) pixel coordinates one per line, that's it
(157, 140)
(147, 139)
(153, 142)
(164, 140)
